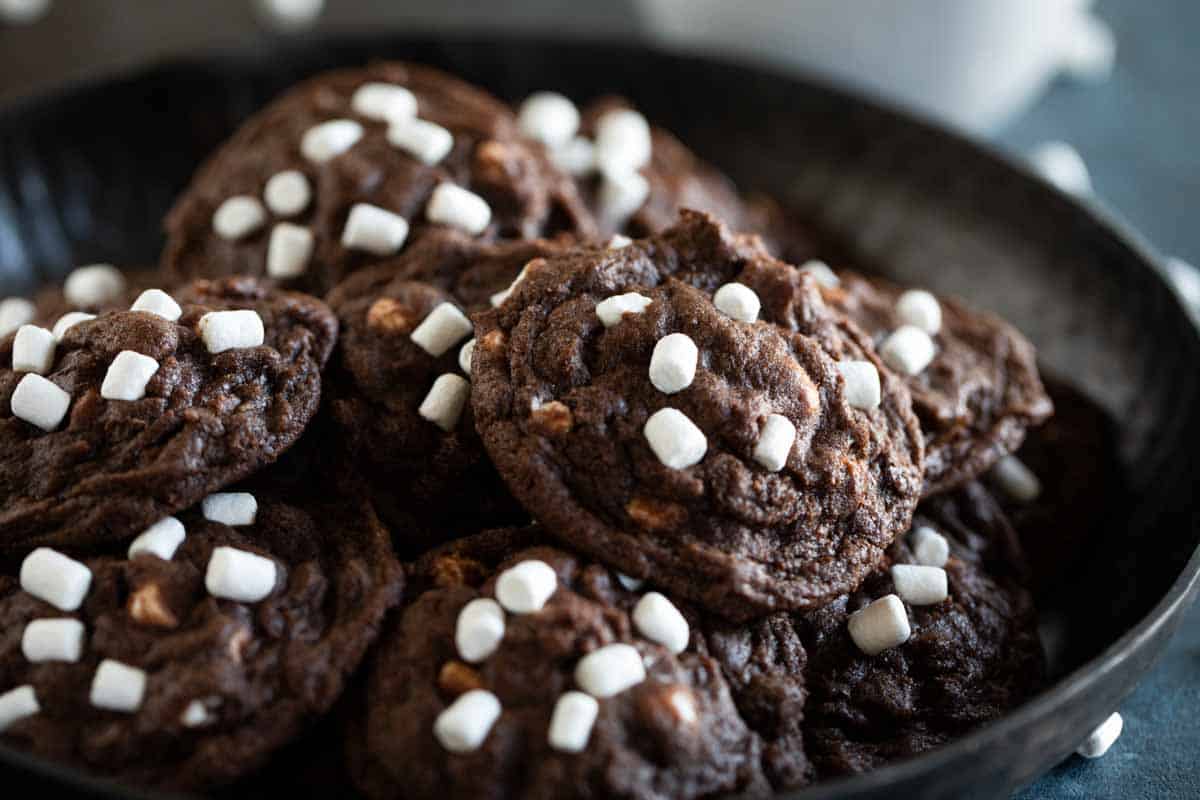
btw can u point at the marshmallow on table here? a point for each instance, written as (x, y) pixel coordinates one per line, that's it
(330, 139)
(287, 193)
(930, 547)
(425, 141)
(118, 687)
(127, 376)
(445, 402)
(156, 301)
(920, 309)
(908, 350)
(17, 704)
(445, 327)
(15, 312)
(863, 389)
(882, 624)
(238, 217)
(230, 508)
(231, 330)
(821, 273)
(1090, 51)
(576, 157)
(40, 402)
(549, 118)
(618, 241)
(775, 442)
(623, 142)
(737, 301)
(1060, 164)
(68, 321)
(94, 285)
(572, 721)
(288, 250)
(919, 585)
(33, 350)
(1016, 479)
(673, 363)
(526, 587)
(479, 630)
(610, 670)
(613, 309)
(464, 356)
(386, 102)
(239, 575)
(1100, 740)
(455, 206)
(161, 539)
(659, 620)
(374, 230)
(621, 195)
(631, 584)
(53, 640)
(464, 724)
(675, 439)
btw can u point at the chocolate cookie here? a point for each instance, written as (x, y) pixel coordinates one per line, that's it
(342, 170)
(642, 406)
(186, 664)
(976, 391)
(136, 415)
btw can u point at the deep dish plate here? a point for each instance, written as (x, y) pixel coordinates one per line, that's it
(87, 173)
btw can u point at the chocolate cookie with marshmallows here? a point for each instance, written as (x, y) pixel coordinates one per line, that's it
(184, 662)
(658, 408)
(134, 415)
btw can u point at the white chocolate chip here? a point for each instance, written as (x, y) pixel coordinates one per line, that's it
(445, 327)
(675, 439)
(127, 376)
(920, 309)
(239, 575)
(908, 350)
(673, 363)
(610, 670)
(572, 721)
(882, 624)
(576, 157)
(919, 585)
(863, 389)
(231, 330)
(17, 704)
(94, 285)
(425, 141)
(289, 250)
(53, 640)
(1100, 740)
(118, 687)
(287, 193)
(464, 725)
(161, 539)
(613, 309)
(386, 102)
(821, 273)
(238, 217)
(630, 584)
(374, 230)
(775, 442)
(618, 241)
(156, 301)
(230, 508)
(40, 402)
(549, 118)
(479, 630)
(930, 547)
(737, 301)
(15, 312)
(659, 620)
(33, 350)
(621, 195)
(330, 139)
(68, 321)
(526, 587)
(445, 402)
(455, 206)
(1016, 479)
(464, 356)
(623, 141)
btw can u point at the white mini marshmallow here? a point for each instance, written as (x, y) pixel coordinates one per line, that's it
(445, 327)
(330, 139)
(287, 193)
(1016, 479)
(479, 630)
(908, 350)
(775, 442)
(919, 585)
(238, 217)
(231, 330)
(230, 508)
(195, 715)
(118, 687)
(386, 102)
(156, 301)
(618, 241)
(1098, 742)
(33, 350)
(572, 721)
(613, 309)
(445, 402)
(53, 640)
(289, 250)
(1060, 164)
(882, 624)
(239, 575)
(822, 273)
(623, 141)
(465, 724)
(621, 195)
(738, 301)
(68, 321)
(576, 157)
(930, 547)
(127, 376)
(526, 587)
(863, 389)
(455, 206)
(673, 363)
(659, 620)
(610, 670)
(40, 402)
(464, 356)
(15, 312)
(1090, 52)
(920, 309)
(17, 704)
(94, 285)
(631, 584)
(374, 230)
(548, 117)
(499, 297)
(425, 141)
(675, 439)
(161, 539)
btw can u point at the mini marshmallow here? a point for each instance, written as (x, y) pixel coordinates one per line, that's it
(195, 715)
(445, 402)
(464, 724)
(576, 157)
(15, 312)
(239, 575)
(17, 704)
(919, 585)
(33, 350)
(156, 301)
(675, 439)
(1016, 479)
(673, 364)
(1096, 745)
(499, 297)
(930, 547)
(464, 356)
(920, 309)
(1060, 164)
(445, 327)
(822, 273)
(238, 217)
(526, 587)
(330, 139)
(908, 350)
(621, 195)
(1090, 52)
(737, 301)
(479, 630)
(572, 721)
(374, 230)
(775, 442)
(385, 102)
(613, 309)
(630, 584)
(127, 376)
(68, 321)
(161, 539)
(118, 687)
(610, 670)
(618, 241)
(53, 640)
(40, 402)
(425, 141)
(288, 250)
(659, 620)
(455, 206)
(623, 141)
(231, 330)
(882, 624)
(863, 389)
(287, 193)
(230, 508)
(94, 285)
(549, 118)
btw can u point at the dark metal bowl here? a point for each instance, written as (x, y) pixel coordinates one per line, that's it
(87, 173)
